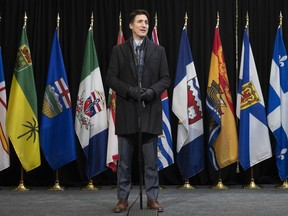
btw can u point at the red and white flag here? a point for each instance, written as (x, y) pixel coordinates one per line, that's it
(4, 145)
(112, 147)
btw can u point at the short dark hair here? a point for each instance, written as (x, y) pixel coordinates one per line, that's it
(138, 12)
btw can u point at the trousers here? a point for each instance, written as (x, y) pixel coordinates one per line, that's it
(126, 145)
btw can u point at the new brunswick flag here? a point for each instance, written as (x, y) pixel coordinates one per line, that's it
(22, 123)
(223, 142)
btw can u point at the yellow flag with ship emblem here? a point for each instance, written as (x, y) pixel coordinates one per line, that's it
(22, 123)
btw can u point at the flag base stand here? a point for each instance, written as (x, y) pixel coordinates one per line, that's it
(220, 185)
(21, 187)
(56, 187)
(90, 186)
(252, 185)
(186, 186)
(284, 185)
(143, 212)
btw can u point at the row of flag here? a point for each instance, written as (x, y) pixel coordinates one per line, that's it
(95, 121)
(55, 136)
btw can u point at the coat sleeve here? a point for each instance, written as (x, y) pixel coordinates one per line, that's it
(164, 80)
(112, 77)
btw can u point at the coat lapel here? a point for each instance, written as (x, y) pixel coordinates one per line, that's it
(128, 55)
(149, 51)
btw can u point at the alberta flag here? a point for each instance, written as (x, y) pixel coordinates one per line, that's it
(4, 144)
(112, 146)
(57, 136)
(91, 123)
(164, 143)
(187, 106)
(22, 112)
(223, 142)
(254, 141)
(278, 104)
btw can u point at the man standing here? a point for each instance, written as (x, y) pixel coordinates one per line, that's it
(138, 73)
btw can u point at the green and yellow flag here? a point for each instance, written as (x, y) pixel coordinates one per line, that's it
(22, 123)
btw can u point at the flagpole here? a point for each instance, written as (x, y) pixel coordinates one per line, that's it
(285, 182)
(252, 184)
(219, 185)
(155, 26)
(21, 186)
(186, 185)
(57, 186)
(90, 186)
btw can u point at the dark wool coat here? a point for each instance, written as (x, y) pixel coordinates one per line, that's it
(122, 74)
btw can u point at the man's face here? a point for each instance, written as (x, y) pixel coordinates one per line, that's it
(139, 27)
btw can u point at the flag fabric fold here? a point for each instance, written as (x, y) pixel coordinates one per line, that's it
(21, 121)
(4, 144)
(112, 146)
(278, 104)
(190, 134)
(254, 141)
(57, 136)
(223, 141)
(91, 123)
(164, 142)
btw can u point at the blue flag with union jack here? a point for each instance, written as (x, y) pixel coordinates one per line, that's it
(57, 138)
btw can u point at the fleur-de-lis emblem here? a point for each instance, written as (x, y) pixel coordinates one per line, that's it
(282, 153)
(282, 60)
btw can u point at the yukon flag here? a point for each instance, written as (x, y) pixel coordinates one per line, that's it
(22, 123)
(91, 124)
(57, 137)
(112, 147)
(278, 104)
(4, 147)
(190, 134)
(164, 143)
(254, 141)
(223, 142)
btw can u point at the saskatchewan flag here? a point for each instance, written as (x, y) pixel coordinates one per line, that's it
(22, 123)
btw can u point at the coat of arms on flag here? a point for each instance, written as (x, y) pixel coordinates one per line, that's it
(87, 108)
(52, 105)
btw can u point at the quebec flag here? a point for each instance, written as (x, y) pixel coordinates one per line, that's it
(278, 104)
(187, 106)
(254, 141)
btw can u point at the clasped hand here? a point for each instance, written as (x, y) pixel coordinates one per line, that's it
(143, 94)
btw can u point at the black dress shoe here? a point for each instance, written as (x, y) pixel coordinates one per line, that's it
(121, 206)
(153, 204)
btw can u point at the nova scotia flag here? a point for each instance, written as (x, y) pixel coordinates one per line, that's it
(254, 141)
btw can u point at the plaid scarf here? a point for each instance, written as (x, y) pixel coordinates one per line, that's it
(139, 59)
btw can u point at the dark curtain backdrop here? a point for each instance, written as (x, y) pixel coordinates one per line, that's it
(75, 19)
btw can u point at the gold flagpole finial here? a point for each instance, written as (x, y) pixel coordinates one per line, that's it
(186, 20)
(156, 20)
(92, 20)
(280, 19)
(218, 19)
(247, 20)
(58, 20)
(120, 20)
(25, 20)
